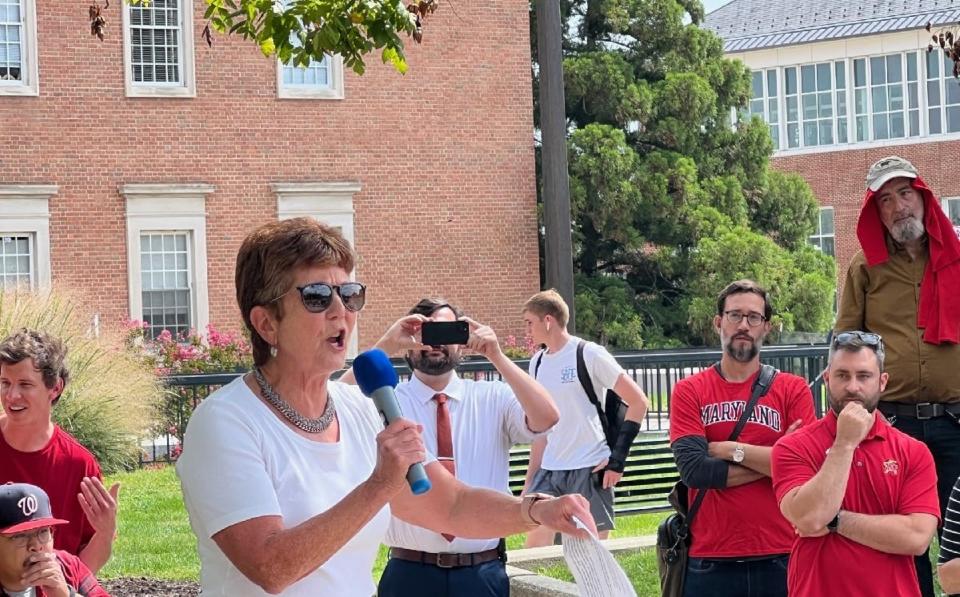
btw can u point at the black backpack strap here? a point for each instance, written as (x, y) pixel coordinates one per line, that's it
(760, 388)
(536, 364)
(584, 376)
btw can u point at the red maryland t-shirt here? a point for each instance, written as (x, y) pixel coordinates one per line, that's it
(891, 473)
(740, 521)
(57, 468)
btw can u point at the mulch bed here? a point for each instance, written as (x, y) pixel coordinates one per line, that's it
(150, 587)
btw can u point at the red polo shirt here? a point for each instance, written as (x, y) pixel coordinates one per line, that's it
(891, 473)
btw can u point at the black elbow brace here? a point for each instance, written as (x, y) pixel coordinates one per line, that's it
(618, 455)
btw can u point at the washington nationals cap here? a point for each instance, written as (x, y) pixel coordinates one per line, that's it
(24, 507)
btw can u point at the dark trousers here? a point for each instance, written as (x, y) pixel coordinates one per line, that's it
(942, 436)
(730, 578)
(405, 579)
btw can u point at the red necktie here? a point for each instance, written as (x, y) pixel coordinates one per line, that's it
(444, 440)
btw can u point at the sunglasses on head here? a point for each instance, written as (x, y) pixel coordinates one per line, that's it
(318, 296)
(858, 338)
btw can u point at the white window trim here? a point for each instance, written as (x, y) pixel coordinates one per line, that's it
(334, 91)
(25, 209)
(945, 204)
(818, 232)
(328, 202)
(29, 65)
(187, 87)
(169, 207)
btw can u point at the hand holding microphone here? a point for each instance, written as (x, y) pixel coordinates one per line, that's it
(377, 378)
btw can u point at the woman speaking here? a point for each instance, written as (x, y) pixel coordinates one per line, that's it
(289, 478)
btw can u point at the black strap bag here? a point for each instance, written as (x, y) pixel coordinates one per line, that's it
(673, 534)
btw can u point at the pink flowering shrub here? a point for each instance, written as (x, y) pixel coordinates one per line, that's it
(219, 351)
(519, 349)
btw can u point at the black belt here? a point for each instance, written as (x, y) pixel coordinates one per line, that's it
(445, 560)
(921, 411)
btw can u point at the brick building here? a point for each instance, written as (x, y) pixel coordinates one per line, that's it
(131, 169)
(842, 84)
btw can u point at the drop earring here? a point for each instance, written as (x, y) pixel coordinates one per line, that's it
(273, 351)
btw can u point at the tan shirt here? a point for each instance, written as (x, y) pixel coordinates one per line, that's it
(883, 299)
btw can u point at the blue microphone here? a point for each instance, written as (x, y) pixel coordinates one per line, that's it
(376, 377)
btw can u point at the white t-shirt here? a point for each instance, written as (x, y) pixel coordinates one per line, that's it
(577, 440)
(486, 420)
(240, 462)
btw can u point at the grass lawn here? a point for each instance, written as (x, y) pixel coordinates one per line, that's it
(155, 539)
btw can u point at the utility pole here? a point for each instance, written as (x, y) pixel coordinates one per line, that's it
(558, 245)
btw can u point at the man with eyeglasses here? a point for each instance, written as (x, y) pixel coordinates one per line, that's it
(29, 565)
(739, 539)
(470, 426)
(905, 285)
(861, 494)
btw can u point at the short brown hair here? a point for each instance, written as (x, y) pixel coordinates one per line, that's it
(548, 302)
(740, 287)
(268, 258)
(48, 352)
(430, 305)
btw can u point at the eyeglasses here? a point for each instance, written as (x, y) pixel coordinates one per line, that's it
(858, 338)
(753, 319)
(43, 534)
(318, 296)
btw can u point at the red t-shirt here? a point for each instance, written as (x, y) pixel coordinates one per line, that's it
(78, 576)
(57, 468)
(891, 473)
(743, 520)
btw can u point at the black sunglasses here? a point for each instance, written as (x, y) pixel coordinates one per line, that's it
(858, 338)
(318, 296)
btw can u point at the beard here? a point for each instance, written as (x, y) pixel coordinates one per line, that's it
(435, 365)
(906, 230)
(742, 353)
(868, 402)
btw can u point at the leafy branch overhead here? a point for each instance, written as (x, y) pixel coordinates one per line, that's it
(949, 42)
(301, 31)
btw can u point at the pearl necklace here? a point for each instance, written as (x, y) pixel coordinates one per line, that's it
(318, 425)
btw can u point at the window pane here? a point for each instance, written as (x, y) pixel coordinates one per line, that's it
(841, 130)
(878, 71)
(880, 130)
(933, 64)
(860, 101)
(896, 97)
(772, 83)
(953, 211)
(894, 69)
(828, 247)
(808, 82)
(861, 126)
(757, 84)
(911, 66)
(841, 103)
(953, 119)
(859, 72)
(825, 104)
(952, 88)
(791, 80)
(791, 109)
(879, 99)
(823, 77)
(809, 106)
(826, 132)
(914, 123)
(826, 221)
(933, 93)
(810, 133)
(936, 127)
(793, 135)
(841, 74)
(896, 125)
(756, 107)
(772, 110)
(914, 97)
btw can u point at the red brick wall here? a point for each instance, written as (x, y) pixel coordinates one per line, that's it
(444, 155)
(838, 179)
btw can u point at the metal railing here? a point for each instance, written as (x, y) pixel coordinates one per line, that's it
(650, 470)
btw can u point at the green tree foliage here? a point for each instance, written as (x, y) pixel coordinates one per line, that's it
(298, 31)
(670, 201)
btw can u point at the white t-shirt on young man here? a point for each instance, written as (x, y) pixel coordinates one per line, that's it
(241, 462)
(577, 440)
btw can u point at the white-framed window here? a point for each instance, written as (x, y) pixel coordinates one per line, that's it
(19, 72)
(886, 97)
(158, 49)
(167, 255)
(951, 207)
(816, 104)
(823, 237)
(25, 235)
(943, 94)
(328, 202)
(318, 80)
(765, 101)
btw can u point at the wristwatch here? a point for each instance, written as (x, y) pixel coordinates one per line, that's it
(739, 454)
(528, 500)
(833, 524)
